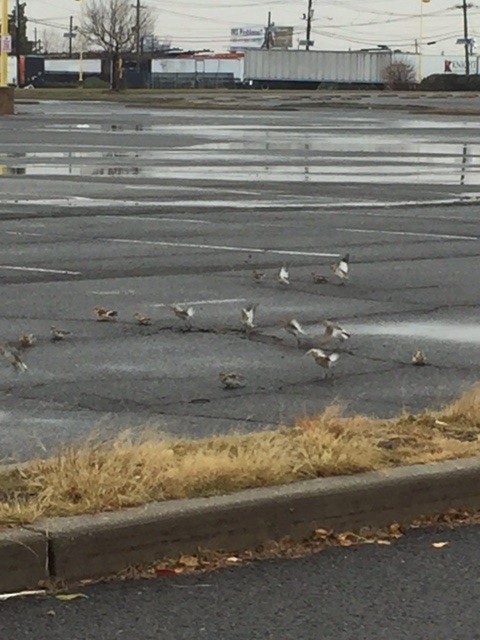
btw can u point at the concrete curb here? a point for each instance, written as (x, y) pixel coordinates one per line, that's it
(93, 546)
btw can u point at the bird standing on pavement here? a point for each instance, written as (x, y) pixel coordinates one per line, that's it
(231, 380)
(58, 334)
(323, 359)
(105, 315)
(333, 330)
(341, 268)
(143, 321)
(184, 313)
(26, 340)
(318, 278)
(258, 276)
(12, 356)
(248, 317)
(294, 328)
(419, 359)
(283, 276)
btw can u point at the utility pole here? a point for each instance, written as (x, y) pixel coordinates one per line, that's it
(268, 30)
(35, 41)
(137, 32)
(70, 38)
(465, 37)
(309, 24)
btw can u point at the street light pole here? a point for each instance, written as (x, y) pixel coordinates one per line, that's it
(80, 57)
(3, 47)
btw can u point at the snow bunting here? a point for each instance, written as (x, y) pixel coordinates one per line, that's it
(59, 334)
(231, 380)
(333, 330)
(258, 276)
(283, 276)
(341, 268)
(105, 315)
(12, 356)
(184, 313)
(419, 359)
(323, 359)
(248, 316)
(317, 278)
(294, 328)
(26, 340)
(142, 320)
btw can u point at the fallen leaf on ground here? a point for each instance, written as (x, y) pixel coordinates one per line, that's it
(440, 545)
(67, 597)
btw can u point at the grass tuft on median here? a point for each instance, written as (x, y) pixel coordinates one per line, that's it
(130, 471)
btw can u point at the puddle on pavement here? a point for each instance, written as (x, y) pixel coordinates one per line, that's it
(381, 173)
(332, 153)
(468, 333)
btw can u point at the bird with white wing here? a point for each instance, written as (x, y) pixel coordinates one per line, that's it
(342, 268)
(327, 361)
(248, 317)
(184, 313)
(283, 276)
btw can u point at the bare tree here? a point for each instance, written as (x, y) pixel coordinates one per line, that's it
(52, 41)
(400, 76)
(112, 26)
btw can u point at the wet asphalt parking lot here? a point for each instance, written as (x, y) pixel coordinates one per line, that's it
(135, 209)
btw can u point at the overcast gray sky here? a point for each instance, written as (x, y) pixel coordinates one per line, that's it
(338, 24)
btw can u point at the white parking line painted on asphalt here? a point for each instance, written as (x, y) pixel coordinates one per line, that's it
(309, 206)
(22, 233)
(117, 292)
(159, 219)
(220, 247)
(39, 270)
(78, 201)
(472, 198)
(190, 302)
(440, 236)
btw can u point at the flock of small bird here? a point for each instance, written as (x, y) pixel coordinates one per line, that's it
(12, 351)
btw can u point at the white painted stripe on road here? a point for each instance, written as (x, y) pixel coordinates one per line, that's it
(117, 292)
(307, 206)
(22, 233)
(159, 219)
(220, 247)
(190, 302)
(410, 233)
(39, 270)
(376, 204)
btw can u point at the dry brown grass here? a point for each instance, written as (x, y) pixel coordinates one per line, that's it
(128, 472)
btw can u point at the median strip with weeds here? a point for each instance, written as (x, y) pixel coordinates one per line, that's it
(129, 472)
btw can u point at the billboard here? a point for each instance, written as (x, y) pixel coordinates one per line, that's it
(282, 37)
(245, 37)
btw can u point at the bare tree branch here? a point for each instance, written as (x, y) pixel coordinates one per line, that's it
(111, 25)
